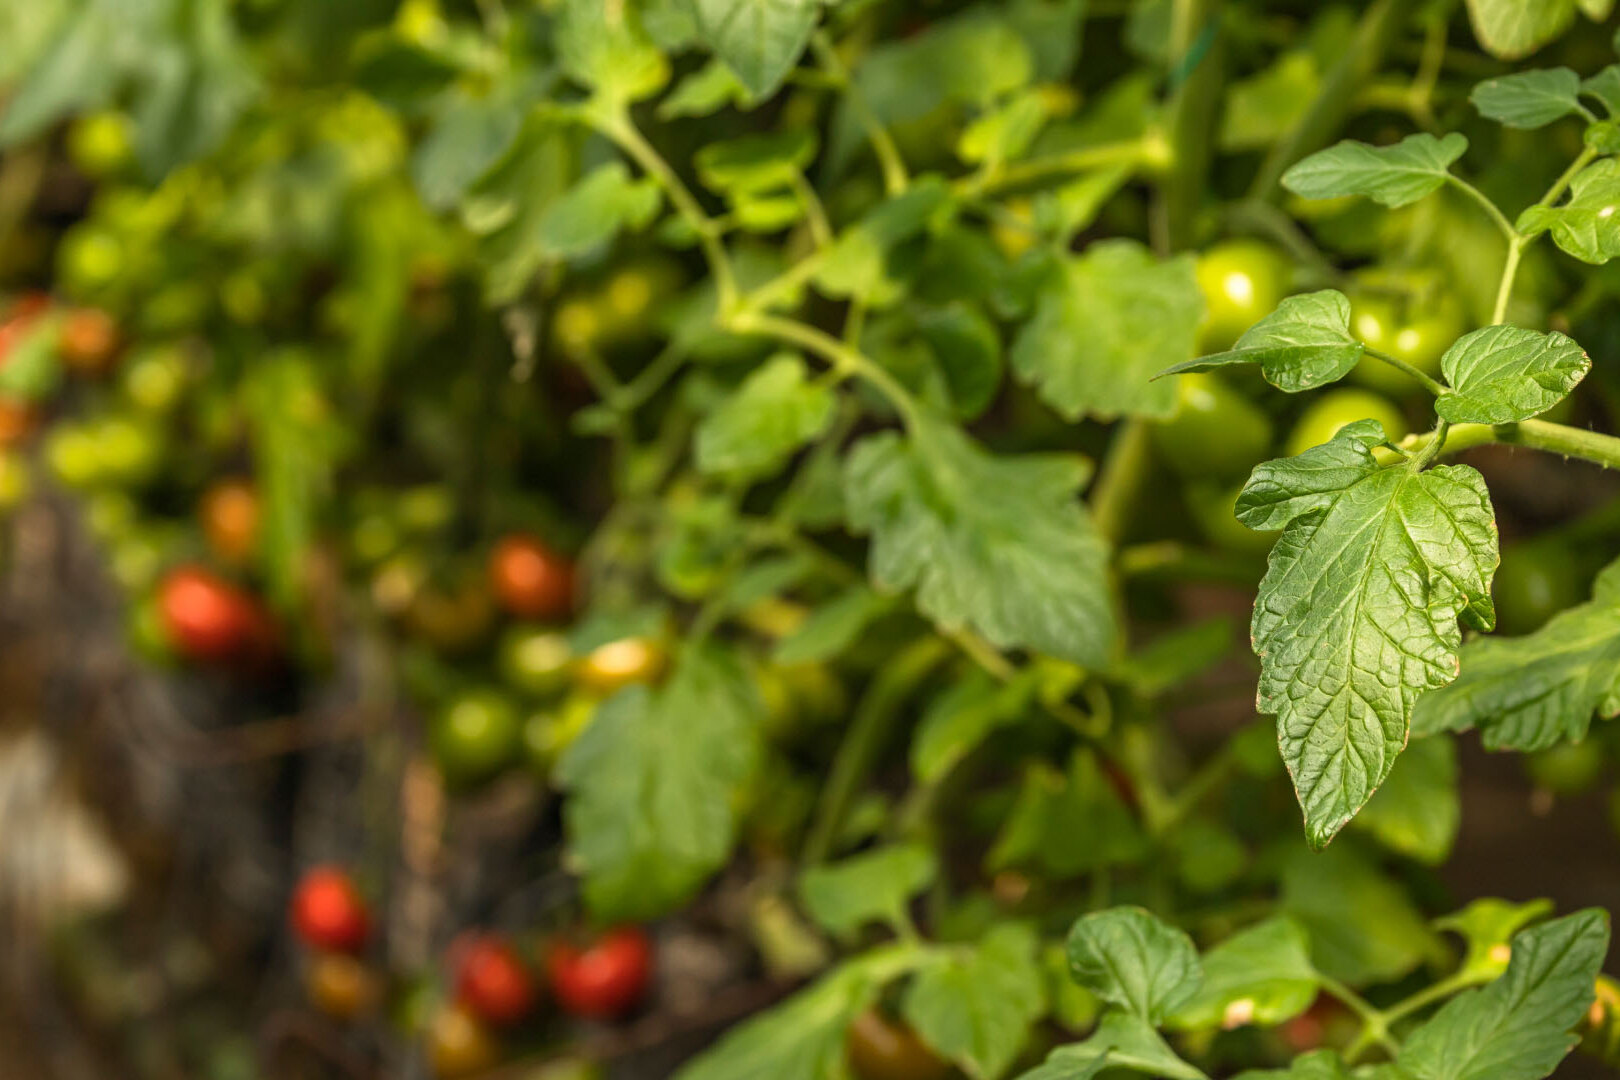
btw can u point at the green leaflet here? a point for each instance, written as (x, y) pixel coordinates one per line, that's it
(1066, 823)
(977, 1007)
(1316, 1065)
(603, 47)
(1357, 613)
(1530, 692)
(1260, 975)
(755, 163)
(1519, 1027)
(1304, 344)
(759, 40)
(959, 719)
(1363, 927)
(1392, 175)
(999, 544)
(1510, 29)
(592, 212)
(1133, 959)
(1502, 374)
(1529, 99)
(1586, 224)
(1418, 811)
(874, 885)
(1487, 925)
(1104, 323)
(832, 627)
(1121, 1041)
(652, 785)
(776, 410)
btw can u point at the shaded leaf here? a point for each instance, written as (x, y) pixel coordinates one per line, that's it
(1391, 175)
(1304, 344)
(1131, 958)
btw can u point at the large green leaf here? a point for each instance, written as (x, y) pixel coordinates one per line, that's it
(1304, 344)
(653, 783)
(1363, 925)
(1510, 29)
(1519, 1027)
(1502, 374)
(874, 885)
(1357, 613)
(1132, 958)
(1105, 322)
(976, 1007)
(998, 544)
(1391, 175)
(760, 40)
(1418, 810)
(776, 410)
(602, 45)
(1529, 99)
(1586, 225)
(1261, 975)
(1530, 692)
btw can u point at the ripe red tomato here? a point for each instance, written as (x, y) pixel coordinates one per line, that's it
(604, 979)
(207, 618)
(492, 981)
(530, 579)
(328, 911)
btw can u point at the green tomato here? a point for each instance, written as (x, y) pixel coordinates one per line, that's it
(72, 456)
(1420, 340)
(148, 634)
(129, 451)
(1242, 282)
(476, 736)
(1535, 581)
(154, 379)
(1215, 430)
(101, 143)
(1568, 768)
(137, 558)
(110, 514)
(535, 660)
(426, 508)
(1333, 410)
(89, 259)
(1213, 509)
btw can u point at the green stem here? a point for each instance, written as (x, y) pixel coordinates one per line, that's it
(865, 740)
(1571, 442)
(1491, 209)
(815, 213)
(1510, 270)
(1124, 468)
(1147, 151)
(619, 127)
(1195, 39)
(1374, 1028)
(1379, 27)
(883, 145)
(843, 358)
(1517, 241)
(1430, 384)
(1431, 450)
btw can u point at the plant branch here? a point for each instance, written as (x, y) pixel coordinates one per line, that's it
(844, 359)
(883, 145)
(1430, 384)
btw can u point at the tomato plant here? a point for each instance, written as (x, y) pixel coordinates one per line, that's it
(788, 480)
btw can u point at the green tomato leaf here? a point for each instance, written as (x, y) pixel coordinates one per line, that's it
(1357, 613)
(1509, 29)
(1392, 175)
(855, 265)
(776, 410)
(832, 627)
(1005, 132)
(1263, 108)
(1316, 1065)
(653, 785)
(602, 46)
(1532, 692)
(469, 135)
(1304, 344)
(756, 163)
(1066, 823)
(1605, 87)
(1418, 810)
(977, 1008)
(1529, 99)
(968, 351)
(872, 886)
(1104, 322)
(1261, 975)
(960, 718)
(1585, 225)
(1487, 925)
(804, 1037)
(999, 544)
(1363, 925)
(760, 40)
(1519, 1027)
(704, 92)
(594, 210)
(1122, 1041)
(1502, 374)
(1131, 958)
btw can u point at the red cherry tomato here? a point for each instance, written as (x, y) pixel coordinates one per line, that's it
(530, 579)
(492, 981)
(328, 911)
(604, 979)
(208, 618)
